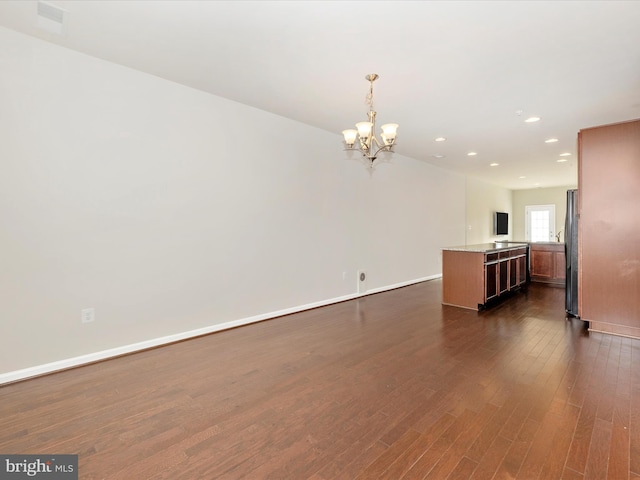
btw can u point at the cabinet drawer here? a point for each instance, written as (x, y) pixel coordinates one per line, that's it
(490, 257)
(503, 254)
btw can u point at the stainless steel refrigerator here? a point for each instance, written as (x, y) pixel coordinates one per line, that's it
(571, 253)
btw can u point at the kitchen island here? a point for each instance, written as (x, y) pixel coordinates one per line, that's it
(474, 275)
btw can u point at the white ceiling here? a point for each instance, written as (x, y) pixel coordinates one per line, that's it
(460, 70)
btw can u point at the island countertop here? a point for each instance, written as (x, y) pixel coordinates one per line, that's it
(486, 247)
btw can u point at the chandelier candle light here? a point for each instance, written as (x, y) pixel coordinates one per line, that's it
(368, 143)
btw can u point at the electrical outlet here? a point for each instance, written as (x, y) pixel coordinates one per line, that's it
(362, 281)
(88, 315)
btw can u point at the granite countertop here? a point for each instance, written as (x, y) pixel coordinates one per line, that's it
(486, 247)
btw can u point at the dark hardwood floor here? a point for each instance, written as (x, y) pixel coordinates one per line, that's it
(390, 386)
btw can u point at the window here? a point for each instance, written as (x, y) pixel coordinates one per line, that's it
(540, 221)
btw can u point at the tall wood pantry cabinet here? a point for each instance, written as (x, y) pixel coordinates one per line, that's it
(609, 228)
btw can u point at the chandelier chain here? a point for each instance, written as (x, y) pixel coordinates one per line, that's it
(369, 97)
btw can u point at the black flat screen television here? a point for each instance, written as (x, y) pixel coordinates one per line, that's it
(501, 223)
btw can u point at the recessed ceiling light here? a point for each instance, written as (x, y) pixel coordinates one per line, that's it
(536, 184)
(532, 119)
(561, 160)
(472, 154)
(440, 139)
(437, 155)
(494, 164)
(566, 154)
(551, 140)
(51, 18)
(522, 176)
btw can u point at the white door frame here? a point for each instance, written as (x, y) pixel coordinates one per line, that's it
(552, 220)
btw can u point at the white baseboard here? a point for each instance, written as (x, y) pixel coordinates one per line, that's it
(72, 362)
(402, 284)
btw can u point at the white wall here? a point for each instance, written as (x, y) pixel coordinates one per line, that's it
(145, 200)
(539, 196)
(482, 201)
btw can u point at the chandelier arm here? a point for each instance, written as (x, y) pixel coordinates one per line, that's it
(385, 148)
(366, 153)
(364, 146)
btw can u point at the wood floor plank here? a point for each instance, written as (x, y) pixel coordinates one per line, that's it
(492, 458)
(384, 461)
(480, 446)
(597, 463)
(634, 411)
(540, 447)
(464, 469)
(421, 468)
(618, 465)
(518, 416)
(579, 450)
(408, 459)
(554, 465)
(451, 457)
(568, 474)
(388, 386)
(512, 462)
(352, 465)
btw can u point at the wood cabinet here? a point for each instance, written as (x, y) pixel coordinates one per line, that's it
(473, 276)
(609, 228)
(548, 263)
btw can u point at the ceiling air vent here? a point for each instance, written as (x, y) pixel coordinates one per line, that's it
(50, 18)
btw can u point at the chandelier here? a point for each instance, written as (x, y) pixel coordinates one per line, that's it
(368, 143)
